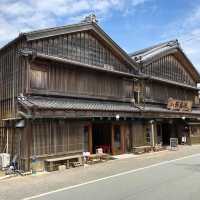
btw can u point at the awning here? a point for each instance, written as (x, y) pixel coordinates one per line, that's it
(67, 105)
(39, 102)
(194, 112)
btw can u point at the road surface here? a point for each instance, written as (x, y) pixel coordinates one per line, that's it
(166, 180)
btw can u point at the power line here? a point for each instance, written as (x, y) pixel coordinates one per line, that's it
(192, 38)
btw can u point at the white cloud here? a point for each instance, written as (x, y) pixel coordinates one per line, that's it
(191, 37)
(24, 15)
(138, 2)
(194, 18)
(187, 31)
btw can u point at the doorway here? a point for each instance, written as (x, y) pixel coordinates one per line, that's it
(101, 137)
(166, 134)
(159, 133)
(128, 139)
(117, 140)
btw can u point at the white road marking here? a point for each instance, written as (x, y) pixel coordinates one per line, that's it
(109, 177)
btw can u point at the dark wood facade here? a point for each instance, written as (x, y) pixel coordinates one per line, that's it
(168, 74)
(170, 68)
(61, 79)
(83, 46)
(61, 88)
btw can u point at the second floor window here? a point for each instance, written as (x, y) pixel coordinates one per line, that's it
(147, 92)
(38, 78)
(128, 89)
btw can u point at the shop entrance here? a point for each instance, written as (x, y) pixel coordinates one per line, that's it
(101, 137)
(167, 130)
(163, 133)
(166, 134)
(117, 145)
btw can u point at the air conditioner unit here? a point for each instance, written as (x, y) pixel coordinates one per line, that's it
(4, 160)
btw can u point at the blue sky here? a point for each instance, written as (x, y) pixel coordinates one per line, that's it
(133, 24)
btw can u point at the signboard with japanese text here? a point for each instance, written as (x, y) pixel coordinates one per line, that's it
(179, 105)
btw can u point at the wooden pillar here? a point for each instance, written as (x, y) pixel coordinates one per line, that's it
(7, 141)
(131, 137)
(130, 126)
(28, 140)
(13, 142)
(152, 134)
(189, 136)
(90, 145)
(28, 71)
(122, 135)
(112, 139)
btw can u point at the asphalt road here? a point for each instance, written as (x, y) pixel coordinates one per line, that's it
(166, 180)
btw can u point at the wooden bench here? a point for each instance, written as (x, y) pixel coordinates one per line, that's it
(142, 149)
(52, 163)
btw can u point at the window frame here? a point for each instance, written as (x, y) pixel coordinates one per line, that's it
(39, 67)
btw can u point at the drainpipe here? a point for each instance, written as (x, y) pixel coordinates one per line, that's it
(152, 133)
(7, 141)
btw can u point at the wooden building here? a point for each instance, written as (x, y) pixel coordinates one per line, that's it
(170, 92)
(72, 89)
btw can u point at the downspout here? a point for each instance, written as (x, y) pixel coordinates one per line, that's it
(152, 133)
(7, 140)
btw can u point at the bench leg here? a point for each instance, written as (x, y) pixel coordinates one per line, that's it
(51, 166)
(67, 164)
(80, 160)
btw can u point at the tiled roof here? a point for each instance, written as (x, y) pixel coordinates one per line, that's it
(75, 104)
(147, 53)
(165, 110)
(91, 105)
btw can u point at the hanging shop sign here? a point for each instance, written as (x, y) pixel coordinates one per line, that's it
(179, 105)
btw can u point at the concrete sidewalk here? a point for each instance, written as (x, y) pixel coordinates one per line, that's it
(21, 187)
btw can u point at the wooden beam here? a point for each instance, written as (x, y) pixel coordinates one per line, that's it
(112, 139)
(84, 65)
(122, 141)
(90, 145)
(189, 136)
(29, 144)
